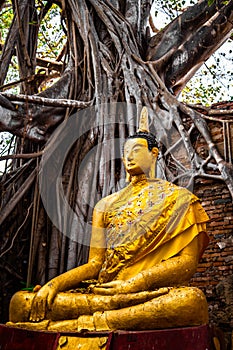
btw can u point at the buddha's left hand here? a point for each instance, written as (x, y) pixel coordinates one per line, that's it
(116, 287)
(42, 302)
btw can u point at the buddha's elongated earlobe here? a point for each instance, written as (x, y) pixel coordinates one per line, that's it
(128, 177)
(152, 173)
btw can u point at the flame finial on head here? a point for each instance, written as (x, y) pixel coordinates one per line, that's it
(144, 121)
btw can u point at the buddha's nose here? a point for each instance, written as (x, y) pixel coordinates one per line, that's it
(129, 156)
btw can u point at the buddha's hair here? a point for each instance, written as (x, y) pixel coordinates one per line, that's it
(150, 138)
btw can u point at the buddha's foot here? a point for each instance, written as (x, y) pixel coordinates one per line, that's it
(95, 322)
(83, 323)
(33, 326)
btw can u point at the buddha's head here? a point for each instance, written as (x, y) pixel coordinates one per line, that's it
(141, 150)
(140, 154)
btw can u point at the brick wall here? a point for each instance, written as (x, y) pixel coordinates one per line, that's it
(215, 271)
(214, 275)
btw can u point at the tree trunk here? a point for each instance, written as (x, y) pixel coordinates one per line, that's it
(79, 124)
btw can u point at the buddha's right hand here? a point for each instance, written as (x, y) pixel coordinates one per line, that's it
(42, 302)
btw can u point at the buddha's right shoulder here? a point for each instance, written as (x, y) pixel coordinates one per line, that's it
(105, 202)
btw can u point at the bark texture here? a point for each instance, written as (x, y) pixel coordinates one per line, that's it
(112, 68)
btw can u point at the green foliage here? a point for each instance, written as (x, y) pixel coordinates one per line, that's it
(51, 39)
(213, 82)
(205, 93)
(5, 142)
(170, 9)
(6, 17)
(210, 2)
(51, 36)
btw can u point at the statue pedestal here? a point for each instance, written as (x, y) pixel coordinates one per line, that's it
(189, 338)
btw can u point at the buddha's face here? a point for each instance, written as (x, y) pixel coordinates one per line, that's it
(137, 157)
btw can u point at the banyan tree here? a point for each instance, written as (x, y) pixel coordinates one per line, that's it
(71, 132)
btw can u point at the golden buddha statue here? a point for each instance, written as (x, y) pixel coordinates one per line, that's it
(146, 243)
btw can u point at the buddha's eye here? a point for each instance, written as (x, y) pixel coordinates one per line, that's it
(137, 149)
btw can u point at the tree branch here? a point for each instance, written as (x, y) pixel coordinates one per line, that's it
(182, 46)
(51, 65)
(212, 111)
(47, 101)
(16, 233)
(17, 196)
(9, 46)
(21, 34)
(200, 46)
(22, 156)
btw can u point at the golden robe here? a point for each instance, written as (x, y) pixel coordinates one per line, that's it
(149, 221)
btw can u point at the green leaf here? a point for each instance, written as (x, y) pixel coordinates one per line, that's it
(29, 288)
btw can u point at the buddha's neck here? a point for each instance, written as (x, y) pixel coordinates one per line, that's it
(139, 178)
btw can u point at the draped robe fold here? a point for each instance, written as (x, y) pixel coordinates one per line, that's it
(147, 222)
